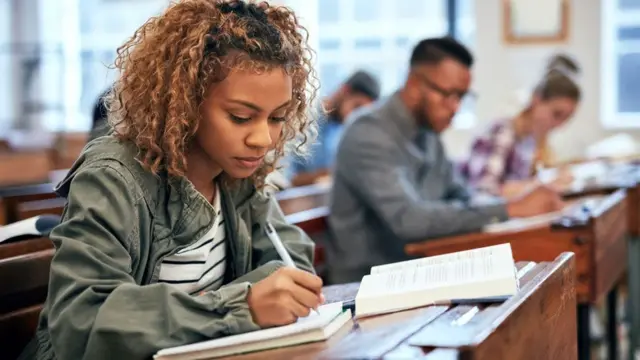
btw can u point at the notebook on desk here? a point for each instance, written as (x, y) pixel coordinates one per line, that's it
(474, 275)
(522, 223)
(315, 327)
(573, 210)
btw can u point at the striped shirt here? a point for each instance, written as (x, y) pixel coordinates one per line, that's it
(201, 265)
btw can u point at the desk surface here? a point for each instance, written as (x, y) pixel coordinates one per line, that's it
(599, 244)
(511, 330)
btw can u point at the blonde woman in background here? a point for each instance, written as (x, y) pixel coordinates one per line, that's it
(503, 160)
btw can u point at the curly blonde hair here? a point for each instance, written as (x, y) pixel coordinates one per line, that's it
(169, 64)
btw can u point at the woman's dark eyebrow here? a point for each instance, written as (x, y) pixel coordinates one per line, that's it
(255, 107)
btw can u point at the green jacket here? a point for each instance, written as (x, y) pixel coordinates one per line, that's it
(104, 301)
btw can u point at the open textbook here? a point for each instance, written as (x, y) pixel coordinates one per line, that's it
(485, 273)
(39, 225)
(315, 327)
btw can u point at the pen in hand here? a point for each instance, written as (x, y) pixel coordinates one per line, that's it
(279, 246)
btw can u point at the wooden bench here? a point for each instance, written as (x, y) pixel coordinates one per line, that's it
(538, 323)
(24, 288)
(598, 239)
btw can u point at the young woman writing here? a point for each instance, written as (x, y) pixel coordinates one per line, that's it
(163, 240)
(504, 160)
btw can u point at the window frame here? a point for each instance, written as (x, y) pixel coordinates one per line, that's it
(345, 56)
(612, 19)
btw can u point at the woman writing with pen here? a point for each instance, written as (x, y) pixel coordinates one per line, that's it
(163, 240)
(503, 161)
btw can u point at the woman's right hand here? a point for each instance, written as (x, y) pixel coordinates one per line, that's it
(563, 181)
(284, 296)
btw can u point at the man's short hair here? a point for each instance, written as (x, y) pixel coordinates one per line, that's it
(364, 83)
(433, 50)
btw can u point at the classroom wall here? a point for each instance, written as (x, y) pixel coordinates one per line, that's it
(502, 68)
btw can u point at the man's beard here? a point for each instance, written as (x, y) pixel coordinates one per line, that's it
(420, 112)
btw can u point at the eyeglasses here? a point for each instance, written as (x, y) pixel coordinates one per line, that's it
(448, 95)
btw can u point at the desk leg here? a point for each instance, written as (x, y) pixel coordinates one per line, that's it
(584, 332)
(612, 323)
(633, 302)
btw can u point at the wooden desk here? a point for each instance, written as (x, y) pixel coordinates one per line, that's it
(23, 247)
(24, 167)
(624, 176)
(20, 199)
(302, 198)
(314, 223)
(598, 238)
(307, 208)
(3, 215)
(538, 323)
(310, 202)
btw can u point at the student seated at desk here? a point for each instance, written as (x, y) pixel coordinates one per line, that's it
(359, 90)
(163, 239)
(393, 182)
(99, 125)
(503, 160)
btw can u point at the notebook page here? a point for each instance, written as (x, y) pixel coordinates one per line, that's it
(326, 313)
(496, 250)
(438, 275)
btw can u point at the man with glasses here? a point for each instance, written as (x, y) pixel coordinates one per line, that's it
(393, 182)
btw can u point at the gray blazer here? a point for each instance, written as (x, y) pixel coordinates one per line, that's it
(393, 185)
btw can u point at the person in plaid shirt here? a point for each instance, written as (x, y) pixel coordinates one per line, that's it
(503, 159)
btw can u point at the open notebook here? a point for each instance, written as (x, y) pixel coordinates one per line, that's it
(523, 223)
(573, 210)
(315, 327)
(481, 274)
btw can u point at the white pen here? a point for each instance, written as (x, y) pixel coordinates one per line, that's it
(282, 251)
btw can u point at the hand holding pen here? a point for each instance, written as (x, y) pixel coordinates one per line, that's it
(287, 294)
